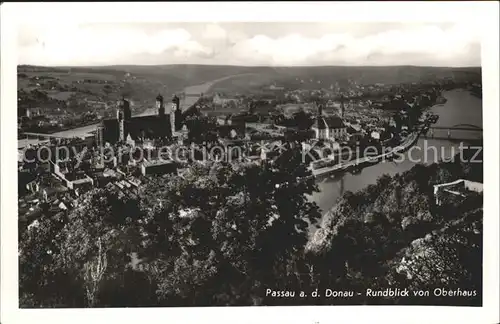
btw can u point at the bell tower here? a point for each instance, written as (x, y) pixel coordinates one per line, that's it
(123, 115)
(160, 106)
(320, 109)
(120, 116)
(342, 107)
(177, 113)
(173, 109)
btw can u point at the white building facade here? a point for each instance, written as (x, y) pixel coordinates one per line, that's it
(329, 128)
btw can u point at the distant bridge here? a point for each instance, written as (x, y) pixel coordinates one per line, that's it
(42, 135)
(357, 164)
(465, 127)
(456, 132)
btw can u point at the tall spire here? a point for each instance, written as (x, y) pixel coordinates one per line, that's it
(342, 108)
(160, 106)
(176, 102)
(173, 117)
(320, 109)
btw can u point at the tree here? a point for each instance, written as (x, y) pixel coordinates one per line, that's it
(302, 120)
(362, 240)
(42, 282)
(217, 220)
(221, 233)
(93, 274)
(95, 243)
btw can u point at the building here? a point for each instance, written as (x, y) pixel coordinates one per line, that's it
(375, 135)
(162, 125)
(52, 192)
(328, 127)
(70, 178)
(274, 87)
(158, 167)
(332, 104)
(219, 100)
(355, 134)
(96, 103)
(231, 130)
(461, 188)
(106, 176)
(31, 112)
(342, 106)
(231, 126)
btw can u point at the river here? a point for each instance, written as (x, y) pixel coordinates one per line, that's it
(461, 107)
(193, 93)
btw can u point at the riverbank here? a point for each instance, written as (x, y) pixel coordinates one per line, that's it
(363, 161)
(60, 129)
(461, 107)
(393, 233)
(369, 160)
(428, 175)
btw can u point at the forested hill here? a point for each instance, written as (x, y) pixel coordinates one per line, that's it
(392, 234)
(226, 234)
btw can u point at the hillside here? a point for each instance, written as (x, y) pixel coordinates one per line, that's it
(392, 234)
(190, 74)
(194, 74)
(75, 90)
(196, 245)
(82, 89)
(292, 76)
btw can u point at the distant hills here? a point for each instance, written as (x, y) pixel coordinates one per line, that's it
(194, 74)
(143, 83)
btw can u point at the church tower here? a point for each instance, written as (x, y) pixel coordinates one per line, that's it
(160, 107)
(174, 114)
(121, 121)
(177, 113)
(342, 107)
(123, 114)
(320, 109)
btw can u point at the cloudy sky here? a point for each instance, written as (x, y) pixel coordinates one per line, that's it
(264, 43)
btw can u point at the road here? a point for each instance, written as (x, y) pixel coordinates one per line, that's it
(407, 143)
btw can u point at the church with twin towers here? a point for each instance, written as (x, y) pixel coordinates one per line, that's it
(162, 125)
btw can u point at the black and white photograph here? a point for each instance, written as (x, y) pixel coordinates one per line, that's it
(179, 164)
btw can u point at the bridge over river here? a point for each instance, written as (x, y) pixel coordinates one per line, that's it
(426, 131)
(460, 110)
(456, 132)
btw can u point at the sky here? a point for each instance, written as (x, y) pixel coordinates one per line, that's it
(250, 44)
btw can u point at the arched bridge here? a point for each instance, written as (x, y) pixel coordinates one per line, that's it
(456, 132)
(466, 127)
